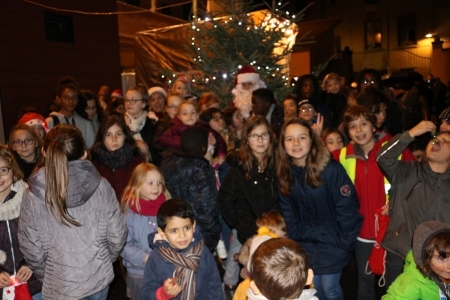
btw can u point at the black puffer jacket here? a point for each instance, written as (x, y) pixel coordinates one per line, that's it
(193, 179)
(241, 201)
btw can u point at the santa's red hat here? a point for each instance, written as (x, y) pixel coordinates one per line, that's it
(32, 118)
(117, 94)
(246, 74)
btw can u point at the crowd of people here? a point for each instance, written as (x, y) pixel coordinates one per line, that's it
(170, 186)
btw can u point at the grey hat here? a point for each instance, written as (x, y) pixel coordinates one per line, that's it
(422, 235)
(445, 114)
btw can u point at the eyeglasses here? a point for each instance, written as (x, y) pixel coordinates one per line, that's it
(306, 109)
(173, 107)
(4, 171)
(368, 82)
(91, 108)
(73, 98)
(19, 143)
(217, 119)
(132, 101)
(255, 137)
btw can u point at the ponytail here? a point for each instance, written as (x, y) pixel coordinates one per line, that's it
(62, 144)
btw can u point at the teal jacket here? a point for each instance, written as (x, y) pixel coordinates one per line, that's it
(412, 284)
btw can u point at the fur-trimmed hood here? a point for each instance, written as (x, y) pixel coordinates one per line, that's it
(11, 209)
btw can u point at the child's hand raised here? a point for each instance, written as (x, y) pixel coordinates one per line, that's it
(211, 139)
(421, 128)
(171, 287)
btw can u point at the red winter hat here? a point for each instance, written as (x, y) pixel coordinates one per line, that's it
(246, 74)
(32, 118)
(117, 94)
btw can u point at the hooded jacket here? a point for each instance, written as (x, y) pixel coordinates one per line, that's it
(417, 195)
(72, 262)
(193, 179)
(157, 270)
(9, 246)
(325, 220)
(412, 284)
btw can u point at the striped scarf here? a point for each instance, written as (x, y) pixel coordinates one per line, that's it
(187, 265)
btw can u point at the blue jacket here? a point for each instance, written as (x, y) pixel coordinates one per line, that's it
(194, 180)
(136, 249)
(325, 220)
(157, 270)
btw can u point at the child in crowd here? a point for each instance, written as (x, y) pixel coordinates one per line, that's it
(290, 107)
(280, 270)
(12, 261)
(359, 160)
(187, 117)
(115, 154)
(183, 86)
(70, 221)
(89, 108)
(337, 94)
(67, 98)
(180, 267)
(419, 191)
(270, 225)
(174, 100)
(444, 117)
(307, 113)
(234, 122)
(425, 275)
(35, 121)
(157, 99)
(190, 177)
(141, 126)
(208, 100)
(319, 204)
(377, 101)
(333, 139)
(26, 146)
(143, 196)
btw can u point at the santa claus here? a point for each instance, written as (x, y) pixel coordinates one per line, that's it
(246, 81)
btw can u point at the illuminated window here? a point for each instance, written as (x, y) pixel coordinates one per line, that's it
(373, 34)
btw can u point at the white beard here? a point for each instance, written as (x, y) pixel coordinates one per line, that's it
(243, 98)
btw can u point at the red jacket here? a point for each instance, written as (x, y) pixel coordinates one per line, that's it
(369, 181)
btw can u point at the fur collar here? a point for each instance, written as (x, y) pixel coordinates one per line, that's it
(323, 157)
(11, 209)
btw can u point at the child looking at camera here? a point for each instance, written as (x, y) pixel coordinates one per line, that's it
(180, 267)
(426, 274)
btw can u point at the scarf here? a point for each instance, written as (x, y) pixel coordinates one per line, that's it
(116, 159)
(135, 124)
(10, 209)
(186, 265)
(149, 208)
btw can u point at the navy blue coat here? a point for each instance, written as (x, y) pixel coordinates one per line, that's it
(194, 180)
(157, 270)
(325, 221)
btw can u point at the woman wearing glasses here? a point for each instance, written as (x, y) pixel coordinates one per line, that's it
(26, 146)
(249, 189)
(319, 205)
(141, 126)
(12, 260)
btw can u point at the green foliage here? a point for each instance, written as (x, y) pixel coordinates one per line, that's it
(232, 38)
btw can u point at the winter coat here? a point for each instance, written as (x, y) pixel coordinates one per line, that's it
(417, 195)
(157, 270)
(307, 294)
(85, 126)
(160, 127)
(193, 179)
(171, 138)
(72, 262)
(118, 178)
(136, 248)
(325, 220)
(241, 201)
(147, 133)
(9, 217)
(412, 284)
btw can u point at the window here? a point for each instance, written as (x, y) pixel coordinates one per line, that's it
(58, 27)
(373, 34)
(407, 30)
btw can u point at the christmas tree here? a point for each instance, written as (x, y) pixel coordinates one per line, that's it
(235, 36)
